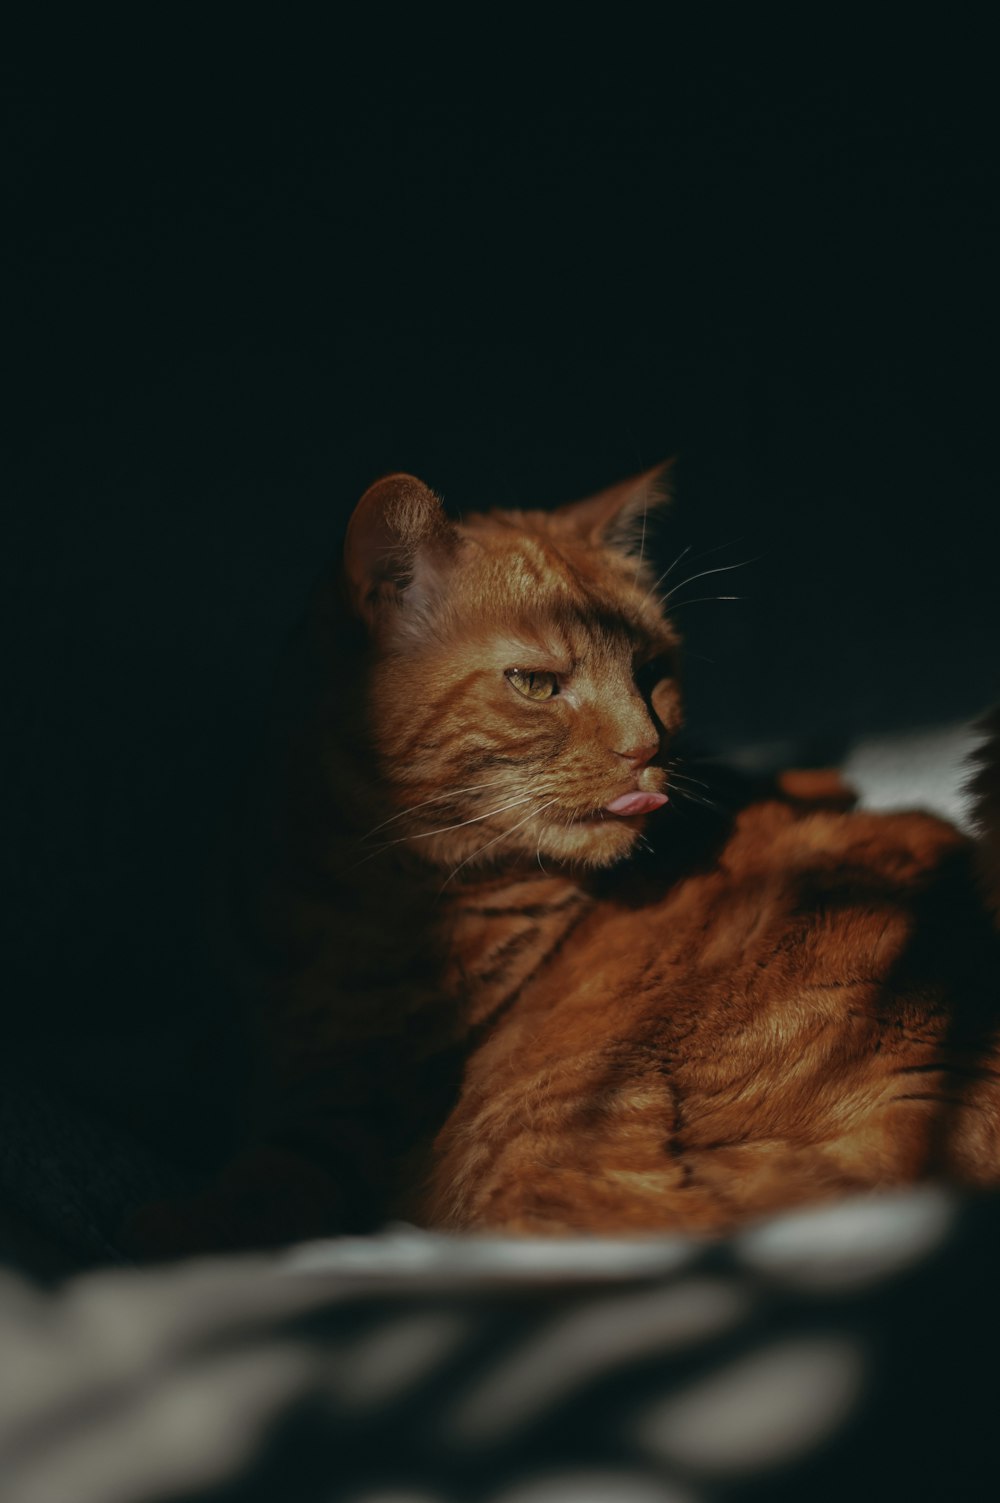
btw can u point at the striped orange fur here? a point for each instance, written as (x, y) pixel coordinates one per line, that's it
(485, 1004)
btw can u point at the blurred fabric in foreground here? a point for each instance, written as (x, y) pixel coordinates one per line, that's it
(841, 1352)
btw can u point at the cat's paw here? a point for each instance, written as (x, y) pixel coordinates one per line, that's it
(818, 787)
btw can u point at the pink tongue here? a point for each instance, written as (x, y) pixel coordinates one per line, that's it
(636, 803)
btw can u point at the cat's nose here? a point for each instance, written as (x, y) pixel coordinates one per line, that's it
(638, 756)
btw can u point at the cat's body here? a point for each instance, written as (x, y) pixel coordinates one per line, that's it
(814, 1011)
(485, 1003)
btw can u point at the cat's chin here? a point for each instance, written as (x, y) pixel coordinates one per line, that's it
(595, 842)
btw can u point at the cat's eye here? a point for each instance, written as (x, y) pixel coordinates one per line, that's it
(536, 684)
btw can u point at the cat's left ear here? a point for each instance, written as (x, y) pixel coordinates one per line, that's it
(398, 540)
(616, 517)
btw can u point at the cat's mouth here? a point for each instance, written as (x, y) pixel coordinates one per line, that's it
(625, 806)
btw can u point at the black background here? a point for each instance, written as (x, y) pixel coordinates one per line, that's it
(239, 289)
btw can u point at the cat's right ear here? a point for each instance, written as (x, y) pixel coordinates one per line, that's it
(397, 537)
(616, 517)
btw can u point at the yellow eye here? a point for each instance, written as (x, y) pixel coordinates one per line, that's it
(538, 685)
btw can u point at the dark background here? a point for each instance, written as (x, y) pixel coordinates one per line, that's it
(235, 294)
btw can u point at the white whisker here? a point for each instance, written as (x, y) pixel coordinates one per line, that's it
(667, 572)
(502, 836)
(705, 553)
(700, 599)
(642, 542)
(719, 569)
(538, 854)
(675, 772)
(477, 819)
(697, 798)
(437, 799)
(444, 830)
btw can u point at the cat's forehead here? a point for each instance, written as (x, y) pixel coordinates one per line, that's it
(550, 591)
(515, 565)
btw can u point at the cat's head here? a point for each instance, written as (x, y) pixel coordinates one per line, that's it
(522, 676)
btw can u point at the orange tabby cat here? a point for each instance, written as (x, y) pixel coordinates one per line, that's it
(486, 1004)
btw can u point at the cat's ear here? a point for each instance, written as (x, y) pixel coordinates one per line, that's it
(616, 517)
(397, 538)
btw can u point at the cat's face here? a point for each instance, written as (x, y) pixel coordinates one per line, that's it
(522, 685)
